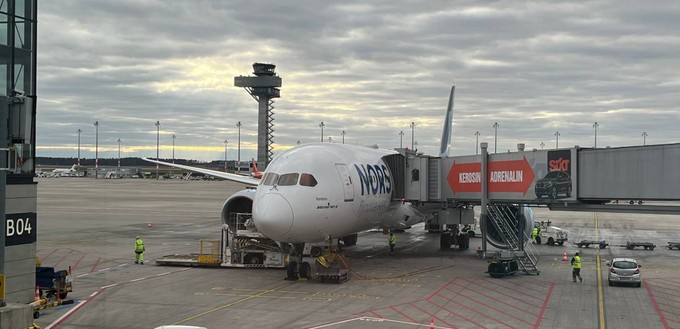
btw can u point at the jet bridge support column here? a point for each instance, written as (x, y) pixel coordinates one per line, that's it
(483, 217)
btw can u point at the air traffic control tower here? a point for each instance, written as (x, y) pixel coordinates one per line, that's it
(263, 87)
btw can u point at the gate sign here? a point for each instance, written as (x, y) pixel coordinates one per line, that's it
(20, 228)
(510, 176)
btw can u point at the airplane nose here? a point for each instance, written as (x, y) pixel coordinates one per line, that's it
(273, 216)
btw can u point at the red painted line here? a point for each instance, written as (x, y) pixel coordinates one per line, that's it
(497, 284)
(62, 258)
(504, 294)
(456, 314)
(502, 302)
(376, 314)
(476, 311)
(95, 265)
(669, 284)
(656, 306)
(432, 316)
(545, 306)
(669, 306)
(48, 255)
(73, 268)
(403, 314)
(667, 298)
(495, 309)
(524, 284)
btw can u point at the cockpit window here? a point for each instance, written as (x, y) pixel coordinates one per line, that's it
(270, 179)
(307, 180)
(288, 179)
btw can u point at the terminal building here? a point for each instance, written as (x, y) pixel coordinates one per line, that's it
(18, 191)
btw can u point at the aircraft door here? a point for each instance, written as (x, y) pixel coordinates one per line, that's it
(346, 181)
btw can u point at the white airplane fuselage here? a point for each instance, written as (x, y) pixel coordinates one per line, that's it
(339, 190)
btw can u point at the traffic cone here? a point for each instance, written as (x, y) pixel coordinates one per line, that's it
(148, 224)
(564, 256)
(432, 323)
(37, 293)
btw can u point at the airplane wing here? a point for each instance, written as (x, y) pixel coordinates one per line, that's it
(220, 174)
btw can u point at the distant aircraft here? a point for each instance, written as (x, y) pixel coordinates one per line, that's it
(253, 170)
(322, 191)
(72, 172)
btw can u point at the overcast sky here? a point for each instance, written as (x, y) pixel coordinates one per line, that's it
(369, 68)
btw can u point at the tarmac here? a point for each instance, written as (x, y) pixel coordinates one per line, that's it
(90, 225)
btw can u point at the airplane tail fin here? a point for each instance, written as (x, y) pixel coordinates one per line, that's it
(73, 168)
(448, 125)
(253, 167)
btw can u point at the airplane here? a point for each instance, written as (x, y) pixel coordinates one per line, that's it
(318, 192)
(60, 172)
(254, 172)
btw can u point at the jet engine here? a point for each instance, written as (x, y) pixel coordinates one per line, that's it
(238, 208)
(516, 215)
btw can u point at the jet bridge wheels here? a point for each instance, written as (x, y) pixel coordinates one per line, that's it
(447, 239)
(350, 240)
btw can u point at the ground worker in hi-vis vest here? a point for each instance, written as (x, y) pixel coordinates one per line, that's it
(392, 241)
(576, 268)
(534, 234)
(139, 251)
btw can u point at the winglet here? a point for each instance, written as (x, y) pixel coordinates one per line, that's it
(448, 124)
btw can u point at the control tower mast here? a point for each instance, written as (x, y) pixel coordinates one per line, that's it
(263, 87)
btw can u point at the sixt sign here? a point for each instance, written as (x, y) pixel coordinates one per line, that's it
(20, 228)
(374, 179)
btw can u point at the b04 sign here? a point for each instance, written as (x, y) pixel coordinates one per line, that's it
(20, 228)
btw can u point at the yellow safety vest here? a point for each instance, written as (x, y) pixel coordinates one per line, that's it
(534, 232)
(576, 262)
(139, 245)
(393, 239)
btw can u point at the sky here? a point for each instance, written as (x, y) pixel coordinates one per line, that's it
(370, 68)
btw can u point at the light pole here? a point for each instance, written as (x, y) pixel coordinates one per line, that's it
(413, 132)
(79, 131)
(158, 144)
(557, 139)
(173, 147)
(401, 139)
(644, 138)
(118, 153)
(542, 144)
(238, 165)
(415, 145)
(595, 125)
(495, 136)
(322, 125)
(96, 149)
(226, 142)
(477, 142)
(343, 136)
(298, 142)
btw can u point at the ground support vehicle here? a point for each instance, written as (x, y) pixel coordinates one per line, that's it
(586, 243)
(672, 245)
(646, 245)
(551, 234)
(53, 283)
(44, 303)
(503, 264)
(238, 247)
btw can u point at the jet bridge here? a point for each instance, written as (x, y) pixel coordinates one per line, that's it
(587, 179)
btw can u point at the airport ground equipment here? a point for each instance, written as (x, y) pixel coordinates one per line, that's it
(551, 234)
(586, 243)
(646, 245)
(53, 283)
(672, 245)
(239, 246)
(508, 223)
(503, 263)
(48, 302)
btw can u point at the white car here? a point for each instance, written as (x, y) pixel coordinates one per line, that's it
(624, 270)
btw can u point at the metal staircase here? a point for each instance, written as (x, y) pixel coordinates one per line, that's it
(505, 221)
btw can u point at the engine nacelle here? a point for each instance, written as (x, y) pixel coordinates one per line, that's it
(526, 215)
(239, 203)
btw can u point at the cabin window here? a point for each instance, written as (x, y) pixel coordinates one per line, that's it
(288, 179)
(270, 179)
(307, 180)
